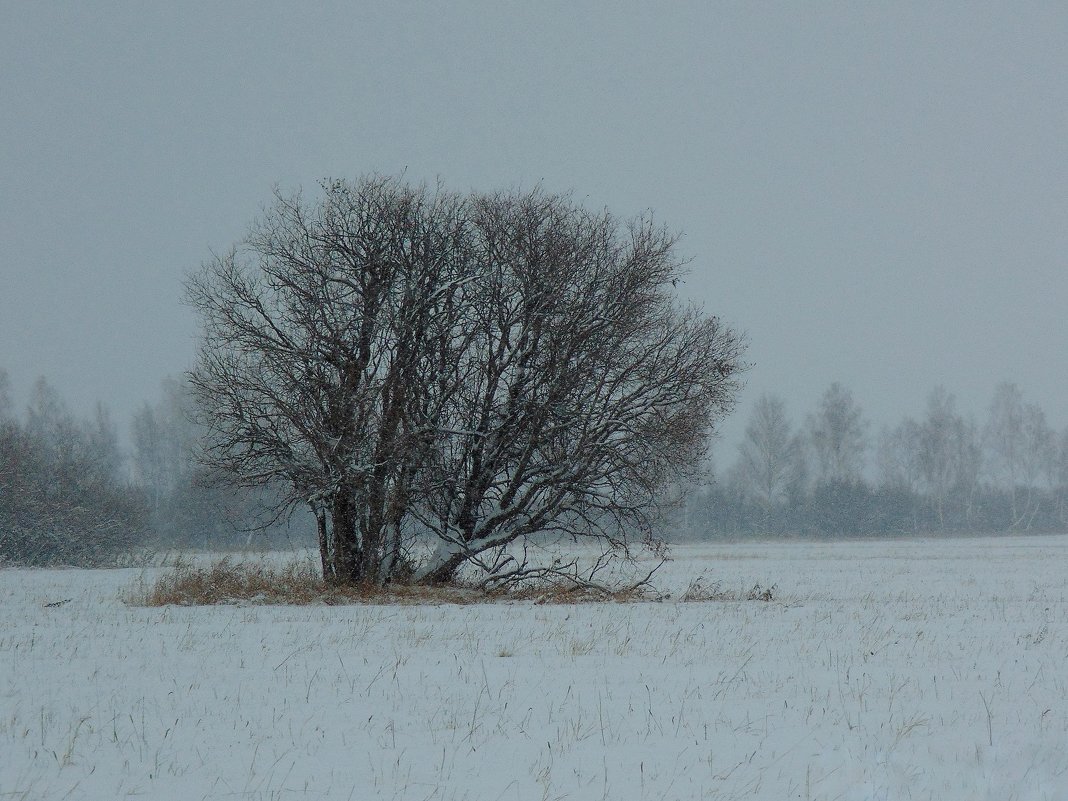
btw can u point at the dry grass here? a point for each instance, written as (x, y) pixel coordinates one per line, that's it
(300, 584)
(700, 590)
(566, 592)
(227, 582)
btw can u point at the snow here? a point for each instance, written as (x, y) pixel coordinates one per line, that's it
(905, 670)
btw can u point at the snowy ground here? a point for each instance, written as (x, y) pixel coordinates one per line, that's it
(909, 670)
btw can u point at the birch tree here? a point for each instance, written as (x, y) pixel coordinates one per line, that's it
(948, 454)
(770, 458)
(1021, 446)
(837, 434)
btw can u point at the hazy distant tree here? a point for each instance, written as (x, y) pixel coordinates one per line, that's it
(938, 457)
(189, 505)
(102, 444)
(896, 456)
(148, 455)
(770, 458)
(836, 434)
(478, 370)
(1021, 446)
(948, 453)
(1059, 479)
(840, 502)
(59, 444)
(47, 417)
(697, 500)
(62, 495)
(164, 439)
(5, 396)
(11, 464)
(1040, 446)
(1004, 439)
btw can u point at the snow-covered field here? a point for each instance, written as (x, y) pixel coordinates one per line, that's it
(906, 670)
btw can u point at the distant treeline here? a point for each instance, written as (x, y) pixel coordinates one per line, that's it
(943, 473)
(188, 506)
(69, 494)
(62, 497)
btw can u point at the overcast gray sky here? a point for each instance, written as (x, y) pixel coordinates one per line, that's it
(876, 195)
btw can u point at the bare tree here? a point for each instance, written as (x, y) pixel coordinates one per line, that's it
(473, 370)
(836, 433)
(1021, 445)
(895, 456)
(189, 505)
(5, 396)
(164, 439)
(583, 392)
(770, 458)
(321, 338)
(939, 457)
(62, 498)
(948, 454)
(1059, 478)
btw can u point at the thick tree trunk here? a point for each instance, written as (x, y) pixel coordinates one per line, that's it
(445, 572)
(371, 534)
(347, 561)
(324, 543)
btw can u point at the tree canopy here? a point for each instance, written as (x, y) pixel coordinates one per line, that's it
(439, 377)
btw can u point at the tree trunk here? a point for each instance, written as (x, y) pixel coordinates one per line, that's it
(324, 543)
(372, 540)
(346, 546)
(445, 572)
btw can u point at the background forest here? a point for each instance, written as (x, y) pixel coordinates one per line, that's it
(73, 492)
(830, 476)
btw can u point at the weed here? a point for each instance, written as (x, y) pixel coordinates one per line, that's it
(699, 590)
(299, 584)
(229, 582)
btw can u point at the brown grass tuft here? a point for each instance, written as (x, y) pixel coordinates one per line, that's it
(227, 582)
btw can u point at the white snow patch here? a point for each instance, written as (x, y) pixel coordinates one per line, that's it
(907, 670)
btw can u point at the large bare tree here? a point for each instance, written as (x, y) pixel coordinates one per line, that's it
(440, 376)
